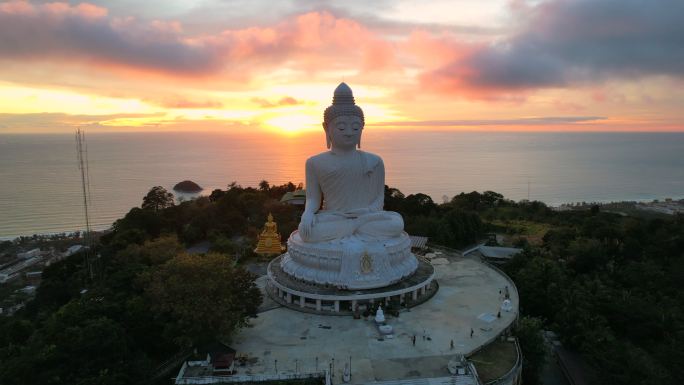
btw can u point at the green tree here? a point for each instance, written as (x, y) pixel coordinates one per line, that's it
(393, 199)
(157, 199)
(587, 255)
(492, 198)
(222, 244)
(622, 363)
(4, 245)
(206, 295)
(529, 333)
(14, 331)
(418, 204)
(154, 252)
(76, 345)
(61, 282)
(469, 201)
(264, 186)
(540, 282)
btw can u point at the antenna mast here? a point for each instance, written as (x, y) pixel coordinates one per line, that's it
(82, 154)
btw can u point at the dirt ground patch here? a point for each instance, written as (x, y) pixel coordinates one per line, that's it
(495, 360)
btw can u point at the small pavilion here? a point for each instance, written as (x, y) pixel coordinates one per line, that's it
(296, 198)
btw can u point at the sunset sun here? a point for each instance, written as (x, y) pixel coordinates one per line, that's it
(293, 124)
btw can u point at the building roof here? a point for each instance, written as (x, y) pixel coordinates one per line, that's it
(418, 242)
(294, 197)
(220, 355)
(199, 248)
(499, 252)
(73, 250)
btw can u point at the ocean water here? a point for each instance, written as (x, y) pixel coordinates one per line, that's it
(40, 189)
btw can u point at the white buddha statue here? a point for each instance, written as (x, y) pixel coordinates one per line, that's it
(350, 182)
(344, 237)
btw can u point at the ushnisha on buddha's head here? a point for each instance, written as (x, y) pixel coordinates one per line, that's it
(343, 121)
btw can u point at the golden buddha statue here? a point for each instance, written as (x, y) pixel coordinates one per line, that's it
(269, 239)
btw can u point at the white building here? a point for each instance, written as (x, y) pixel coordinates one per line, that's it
(29, 254)
(10, 272)
(73, 250)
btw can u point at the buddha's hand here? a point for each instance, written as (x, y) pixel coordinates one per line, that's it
(306, 224)
(358, 212)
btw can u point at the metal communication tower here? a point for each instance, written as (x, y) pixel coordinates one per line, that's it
(82, 154)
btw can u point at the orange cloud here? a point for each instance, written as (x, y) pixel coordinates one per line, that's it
(56, 122)
(315, 41)
(429, 51)
(185, 103)
(92, 50)
(311, 42)
(379, 56)
(285, 101)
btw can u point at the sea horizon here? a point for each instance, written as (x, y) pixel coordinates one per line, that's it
(41, 190)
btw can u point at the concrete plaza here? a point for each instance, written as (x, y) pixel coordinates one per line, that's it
(289, 341)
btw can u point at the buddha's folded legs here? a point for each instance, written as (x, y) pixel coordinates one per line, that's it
(329, 230)
(389, 225)
(380, 224)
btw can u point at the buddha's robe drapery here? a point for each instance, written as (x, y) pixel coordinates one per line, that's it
(353, 189)
(351, 184)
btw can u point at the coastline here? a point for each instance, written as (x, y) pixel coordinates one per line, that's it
(66, 233)
(638, 205)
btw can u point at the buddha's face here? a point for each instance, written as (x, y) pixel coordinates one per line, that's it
(345, 131)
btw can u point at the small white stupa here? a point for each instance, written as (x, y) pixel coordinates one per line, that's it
(384, 329)
(507, 305)
(379, 316)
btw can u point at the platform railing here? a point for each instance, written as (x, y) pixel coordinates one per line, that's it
(240, 378)
(512, 377)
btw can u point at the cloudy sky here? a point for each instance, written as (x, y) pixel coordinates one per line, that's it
(243, 65)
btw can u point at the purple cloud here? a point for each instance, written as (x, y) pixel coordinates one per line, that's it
(86, 32)
(563, 42)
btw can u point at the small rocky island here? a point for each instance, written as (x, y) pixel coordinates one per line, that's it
(187, 186)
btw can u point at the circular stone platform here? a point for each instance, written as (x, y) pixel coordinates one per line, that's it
(351, 263)
(285, 341)
(326, 299)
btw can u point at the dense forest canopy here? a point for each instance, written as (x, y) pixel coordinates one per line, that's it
(611, 287)
(608, 284)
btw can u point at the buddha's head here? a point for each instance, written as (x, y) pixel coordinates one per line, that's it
(343, 121)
